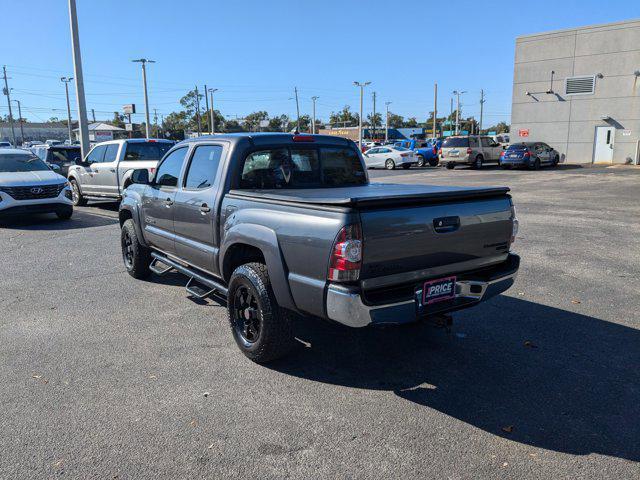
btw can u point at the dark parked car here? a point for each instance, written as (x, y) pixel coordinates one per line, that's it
(283, 225)
(530, 155)
(64, 156)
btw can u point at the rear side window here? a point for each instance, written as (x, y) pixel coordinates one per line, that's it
(517, 146)
(302, 168)
(169, 170)
(455, 142)
(142, 151)
(203, 167)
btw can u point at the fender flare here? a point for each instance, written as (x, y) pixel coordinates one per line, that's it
(265, 240)
(131, 206)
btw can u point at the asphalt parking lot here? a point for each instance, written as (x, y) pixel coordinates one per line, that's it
(104, 376)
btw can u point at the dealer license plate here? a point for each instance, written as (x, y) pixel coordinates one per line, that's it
(438, 290)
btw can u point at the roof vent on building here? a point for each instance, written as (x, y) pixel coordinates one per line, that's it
(580, 85)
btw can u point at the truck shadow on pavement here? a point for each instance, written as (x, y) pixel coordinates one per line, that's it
(534, 374)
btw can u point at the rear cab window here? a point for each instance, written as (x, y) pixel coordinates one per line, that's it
(146, 151)
(455, 143)
(302, 167)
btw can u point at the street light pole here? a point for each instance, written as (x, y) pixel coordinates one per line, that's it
(361, 85)
(457, 94)
(66, 81)
(213, 118)
(435, 109)
(386, 123)
(20, 121)
(295, 89)
(313, 120)
(77, 70)
(144, 62)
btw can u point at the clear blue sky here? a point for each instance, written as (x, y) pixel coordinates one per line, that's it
(255, 52)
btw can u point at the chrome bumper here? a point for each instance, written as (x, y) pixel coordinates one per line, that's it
(347, 307)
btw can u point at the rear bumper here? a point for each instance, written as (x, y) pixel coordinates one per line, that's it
(346, 305)
(515, 162)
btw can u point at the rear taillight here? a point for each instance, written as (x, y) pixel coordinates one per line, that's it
(435, 151)
(527, 154)
(515, 224)
(501, 154)
(405, 154)
(346, 255)
(469, 151)
(152, 170)
(440, 152)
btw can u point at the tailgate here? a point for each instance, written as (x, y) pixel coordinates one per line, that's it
(413, 242)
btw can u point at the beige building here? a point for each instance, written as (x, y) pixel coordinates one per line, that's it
(579, 91)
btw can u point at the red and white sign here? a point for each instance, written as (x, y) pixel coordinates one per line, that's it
(523, 132)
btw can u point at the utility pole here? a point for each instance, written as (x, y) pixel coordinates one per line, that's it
(20, 121)
(213, 116)
(457, 94)
(386, 123)
(435, 109)
(93, 115)
(144, 62)
(6, 92)
(451, 114)
(313, 120)
(481, 110)
(206, 102)
(198, 112)
(361, 85)
(66, 81)
(155, 121)
(373, 118)
(295, 89)
(77, 70)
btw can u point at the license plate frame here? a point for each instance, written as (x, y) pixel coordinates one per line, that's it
(438, 290)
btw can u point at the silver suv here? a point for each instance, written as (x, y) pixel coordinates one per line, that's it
(471, 150)
(106, 171)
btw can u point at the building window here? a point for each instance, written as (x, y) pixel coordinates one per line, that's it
(580, 85)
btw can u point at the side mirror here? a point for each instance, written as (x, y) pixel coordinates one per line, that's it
(54, 167)
(140, 176)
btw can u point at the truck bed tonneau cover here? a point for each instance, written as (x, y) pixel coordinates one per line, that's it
(373, 194)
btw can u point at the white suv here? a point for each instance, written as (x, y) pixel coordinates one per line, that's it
(28, 185)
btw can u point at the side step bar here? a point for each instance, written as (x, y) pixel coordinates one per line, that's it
(191, 273)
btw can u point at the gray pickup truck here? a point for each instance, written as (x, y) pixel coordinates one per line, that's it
(282, 225)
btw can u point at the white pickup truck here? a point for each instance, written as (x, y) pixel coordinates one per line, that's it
(106, 171)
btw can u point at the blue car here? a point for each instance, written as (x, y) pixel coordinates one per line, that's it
(425, 150)
(531, 155)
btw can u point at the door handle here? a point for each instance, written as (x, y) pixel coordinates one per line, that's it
(204, 208)
(112, 169)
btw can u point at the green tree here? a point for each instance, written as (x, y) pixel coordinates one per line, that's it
(395, 121)
(375, 120)
(252, 121)
(344, 118)
(118, 120)
(411, 123)
(305, 123)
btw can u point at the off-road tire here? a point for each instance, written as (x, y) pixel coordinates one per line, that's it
(275, 336)
(77, 198)
(451, 166)
(137, 265)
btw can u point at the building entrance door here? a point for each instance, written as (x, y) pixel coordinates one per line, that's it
(603, 149)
